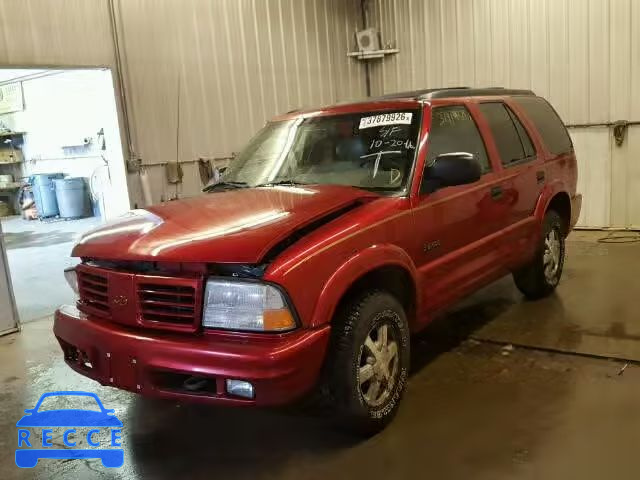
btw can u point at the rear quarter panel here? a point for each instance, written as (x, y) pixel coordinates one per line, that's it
(561, 171)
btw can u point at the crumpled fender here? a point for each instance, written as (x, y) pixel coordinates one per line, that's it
(355, 267)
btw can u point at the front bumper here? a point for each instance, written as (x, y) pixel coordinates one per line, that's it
(281, 368)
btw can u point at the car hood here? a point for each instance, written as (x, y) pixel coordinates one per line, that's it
(237, 226)
(69, 418)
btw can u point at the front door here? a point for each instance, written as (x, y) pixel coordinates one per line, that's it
(455, 245)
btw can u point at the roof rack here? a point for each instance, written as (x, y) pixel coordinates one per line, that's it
(453, 92)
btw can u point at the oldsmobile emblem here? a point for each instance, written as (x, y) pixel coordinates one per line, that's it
(120, 300)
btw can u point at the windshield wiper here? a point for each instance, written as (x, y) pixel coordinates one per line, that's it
(281, 182)
(225, 185)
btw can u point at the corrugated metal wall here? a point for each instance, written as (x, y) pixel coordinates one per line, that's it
(235, 63)
(238, 62)
(583, 55)
(63, 32)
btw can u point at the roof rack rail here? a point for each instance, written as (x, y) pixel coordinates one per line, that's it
(453, 92)
(416, 94)
(475, 92)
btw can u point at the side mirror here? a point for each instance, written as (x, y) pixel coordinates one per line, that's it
(451, 169)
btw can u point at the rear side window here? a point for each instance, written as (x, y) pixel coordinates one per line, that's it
(454, 130)
(547, 122)
(512, 140)
(525, 139)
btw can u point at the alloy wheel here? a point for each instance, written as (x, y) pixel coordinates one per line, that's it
(552, 256)
(379, 364)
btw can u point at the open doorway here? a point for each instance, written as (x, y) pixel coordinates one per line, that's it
(62, 173)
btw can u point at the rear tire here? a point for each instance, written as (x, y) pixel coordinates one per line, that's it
(368, 362)
(541, 276)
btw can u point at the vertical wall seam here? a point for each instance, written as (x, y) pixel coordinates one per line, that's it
(259, 58)
(245, 66)
(296, 64)
(284, 57)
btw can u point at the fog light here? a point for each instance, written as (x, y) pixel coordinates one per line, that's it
(239, 388)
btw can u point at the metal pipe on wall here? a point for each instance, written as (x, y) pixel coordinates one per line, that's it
(367, 70)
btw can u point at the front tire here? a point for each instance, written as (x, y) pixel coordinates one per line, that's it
(368, 363)
(541, 276)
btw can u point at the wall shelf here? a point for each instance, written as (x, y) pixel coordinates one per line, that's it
(11, 134)
(373, 54)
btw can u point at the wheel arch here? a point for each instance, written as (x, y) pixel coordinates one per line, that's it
(555, 198)
(387, 268)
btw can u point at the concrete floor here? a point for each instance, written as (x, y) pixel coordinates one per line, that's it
(38, 252)
(548, 409)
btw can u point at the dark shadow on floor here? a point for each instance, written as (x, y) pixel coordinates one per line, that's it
(242, 441)
(450, 330)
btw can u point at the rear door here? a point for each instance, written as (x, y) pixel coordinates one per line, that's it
(522, 175)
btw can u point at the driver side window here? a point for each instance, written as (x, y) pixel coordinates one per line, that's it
(454, 130)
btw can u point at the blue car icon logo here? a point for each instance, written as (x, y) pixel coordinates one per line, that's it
(97, 423)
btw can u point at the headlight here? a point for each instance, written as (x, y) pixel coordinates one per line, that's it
(72, 279)
(239, 305)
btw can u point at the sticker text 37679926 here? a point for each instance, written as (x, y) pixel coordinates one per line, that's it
(396, 118)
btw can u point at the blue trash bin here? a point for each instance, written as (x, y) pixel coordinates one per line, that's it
(44, 193)
(72, 196)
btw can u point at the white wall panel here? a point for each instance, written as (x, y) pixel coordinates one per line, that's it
(233, 64)
(578, 53)
(579, 74)
(61, 32)
(558, 22)
(593, 151)
(540, 61)
(600, 60)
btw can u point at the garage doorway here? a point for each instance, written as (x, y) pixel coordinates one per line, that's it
(62, 173)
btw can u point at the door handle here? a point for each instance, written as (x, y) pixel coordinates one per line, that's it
(540, 176)
(496, 193)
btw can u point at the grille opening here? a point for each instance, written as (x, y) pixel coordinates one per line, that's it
(172, 289)
(74, 355)
(178, 310)
(94, 279)
(153, 317)
(151, 297)
(71, 353)
(94, 291)
(184, 383)
(167, 303)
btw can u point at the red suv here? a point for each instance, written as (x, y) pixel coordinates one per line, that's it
(333, 236)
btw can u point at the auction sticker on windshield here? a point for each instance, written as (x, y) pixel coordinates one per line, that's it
(398, 118)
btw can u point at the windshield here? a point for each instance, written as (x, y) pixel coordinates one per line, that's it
(371, 150)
